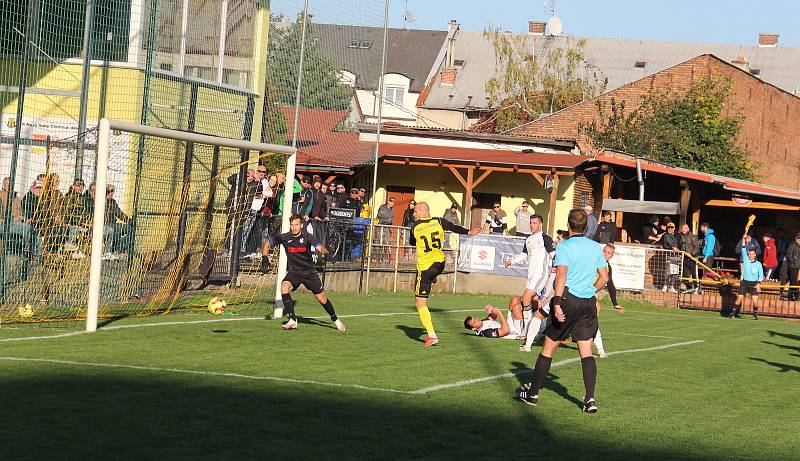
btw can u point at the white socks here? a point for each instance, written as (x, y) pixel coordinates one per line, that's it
(598, 340)
(533, 330)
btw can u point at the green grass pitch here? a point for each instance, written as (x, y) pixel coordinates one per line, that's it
(681, 385)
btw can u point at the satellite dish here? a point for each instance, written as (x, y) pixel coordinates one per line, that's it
(409, 17)
(555, 26)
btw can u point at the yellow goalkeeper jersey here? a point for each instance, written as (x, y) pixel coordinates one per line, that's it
(428, 236)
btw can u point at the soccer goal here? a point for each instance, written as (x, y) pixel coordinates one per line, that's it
(122, 225)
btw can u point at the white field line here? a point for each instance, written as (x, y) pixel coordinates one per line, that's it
(202, 373)
(215, 320)
(33, 338)
(645, 336)
(468, 382)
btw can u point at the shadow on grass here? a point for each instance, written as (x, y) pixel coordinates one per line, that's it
(153, 416)
(782, 367)
(784, 335)
(414, 333)
(316, 322)
(523, 373)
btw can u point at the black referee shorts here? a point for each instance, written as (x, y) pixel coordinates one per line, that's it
(308, 279)
(581, 319)
(748, 288)
(427, 278)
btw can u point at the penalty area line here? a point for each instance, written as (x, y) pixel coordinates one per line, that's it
(201, 373)
(522, 371)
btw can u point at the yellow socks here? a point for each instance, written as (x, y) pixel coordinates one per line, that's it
(427, 321)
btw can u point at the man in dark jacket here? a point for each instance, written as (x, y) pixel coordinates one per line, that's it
(689, 244)
(750, 244)
(669, 241)
(607, 230)
(793, 262)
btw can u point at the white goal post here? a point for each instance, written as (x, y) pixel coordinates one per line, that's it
(98, 222)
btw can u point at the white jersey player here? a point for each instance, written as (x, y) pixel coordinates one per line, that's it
(539, 252)
(495, 325)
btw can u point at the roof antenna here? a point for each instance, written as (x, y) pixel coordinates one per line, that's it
(408, 17)
(554, 25)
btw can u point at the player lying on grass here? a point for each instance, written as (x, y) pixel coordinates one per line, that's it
(300, 269)
(495, 325)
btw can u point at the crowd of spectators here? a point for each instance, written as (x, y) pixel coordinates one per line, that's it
(46, 222)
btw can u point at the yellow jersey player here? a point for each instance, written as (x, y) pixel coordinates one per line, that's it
(428, 235)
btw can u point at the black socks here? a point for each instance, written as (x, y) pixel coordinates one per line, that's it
(589, 376)
(328, 306)
(540, 372)
(288, 305)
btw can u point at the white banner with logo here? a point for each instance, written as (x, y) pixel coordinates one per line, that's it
(628, 267)
(487, 254)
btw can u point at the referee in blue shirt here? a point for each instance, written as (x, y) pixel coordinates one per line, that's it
(581, 271)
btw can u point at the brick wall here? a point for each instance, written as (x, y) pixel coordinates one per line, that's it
(770, 131)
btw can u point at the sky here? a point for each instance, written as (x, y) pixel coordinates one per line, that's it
(701, 21)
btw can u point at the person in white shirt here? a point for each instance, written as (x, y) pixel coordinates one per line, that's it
(539, 251)
(495, 325)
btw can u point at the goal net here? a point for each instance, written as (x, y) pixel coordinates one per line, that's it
(147, 216)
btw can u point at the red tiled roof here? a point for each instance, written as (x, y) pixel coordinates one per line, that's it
(734, 185)
(319, 144)
(657, 168)
(495, 156)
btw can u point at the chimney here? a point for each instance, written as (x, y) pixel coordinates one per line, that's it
(449, 76)
(767, 40)
(452, 25)
(741, 62)
(536, 27)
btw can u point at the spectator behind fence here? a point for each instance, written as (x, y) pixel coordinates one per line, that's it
(669, 241)
(386, 212)
(793, 266)
(19, 232)
(496, 220)
(78, 208)
(301, 200)
(451, 214)
(650, 235)
(523, 214)
(328, 191)
(591, 221)
(48, 220)
(607, 230)
(770, 256)
(29, 205)
(353, 202)
(253, 201)
(709, 245)
(749, 243)
(689, 244)
(117, 236)
(341, 195)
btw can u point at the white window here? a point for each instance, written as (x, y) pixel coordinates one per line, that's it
(394, 95)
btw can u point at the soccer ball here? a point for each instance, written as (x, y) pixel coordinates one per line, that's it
(25, 311)
(217, 305)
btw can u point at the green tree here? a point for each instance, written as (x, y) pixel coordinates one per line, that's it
(320, 85)
(686, 130)
(528, 84)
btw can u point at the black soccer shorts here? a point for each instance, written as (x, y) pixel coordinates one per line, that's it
(308, 279)
(748, 288)
(427, 278)
(581, 319)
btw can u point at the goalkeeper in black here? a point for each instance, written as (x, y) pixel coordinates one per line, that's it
(300, 269)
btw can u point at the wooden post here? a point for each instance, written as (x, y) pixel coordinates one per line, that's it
(695, 199)
(686, 194)
(551, 212)
(466, 215)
